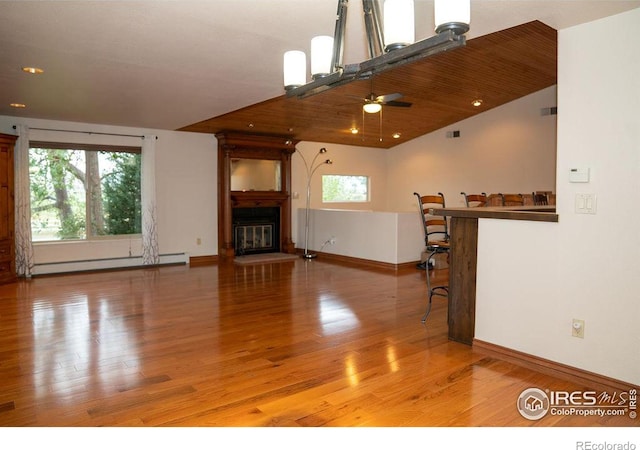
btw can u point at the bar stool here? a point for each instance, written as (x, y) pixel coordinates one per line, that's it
(433, 227)
(475, 200)
(540, 199)
(512, 199)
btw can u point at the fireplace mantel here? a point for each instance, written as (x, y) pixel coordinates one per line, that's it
(252, 199)
(233, 146)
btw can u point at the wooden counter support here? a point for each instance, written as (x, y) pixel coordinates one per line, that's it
(463, 259)
(462, 279)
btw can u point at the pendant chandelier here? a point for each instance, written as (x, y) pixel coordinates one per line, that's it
(390, 43)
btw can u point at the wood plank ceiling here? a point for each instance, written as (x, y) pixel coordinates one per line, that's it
(497, 68)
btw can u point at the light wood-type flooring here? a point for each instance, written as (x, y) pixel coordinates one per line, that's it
(291, 344)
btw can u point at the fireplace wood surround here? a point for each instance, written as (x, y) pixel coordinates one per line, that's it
(250, 187)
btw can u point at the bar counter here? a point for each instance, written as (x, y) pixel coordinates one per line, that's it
(463, 258)
(535, 213)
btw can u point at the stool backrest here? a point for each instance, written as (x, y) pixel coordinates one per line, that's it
(512, 199)
(435, 227)
(475, 200)
(540, 199)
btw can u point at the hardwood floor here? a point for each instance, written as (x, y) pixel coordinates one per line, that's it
(304, 343)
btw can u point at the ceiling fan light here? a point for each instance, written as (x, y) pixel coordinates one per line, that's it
(398, 24)
(372, 108)
(454, 15)
(321, 55)
(295, 69)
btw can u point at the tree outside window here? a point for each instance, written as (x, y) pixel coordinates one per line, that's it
(84, 193)
(345, 188)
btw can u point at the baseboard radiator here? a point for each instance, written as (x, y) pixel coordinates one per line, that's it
(105, 264)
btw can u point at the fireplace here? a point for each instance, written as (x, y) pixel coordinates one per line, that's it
(254, 205)
(256, 230)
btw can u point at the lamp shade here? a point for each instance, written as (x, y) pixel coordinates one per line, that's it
(321, 56)
(452, 15)
(399, 25)
(295, 69)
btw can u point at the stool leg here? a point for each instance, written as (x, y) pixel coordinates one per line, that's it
(429, 290)
(426, 314)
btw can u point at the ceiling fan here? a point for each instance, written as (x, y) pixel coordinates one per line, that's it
(373, 103)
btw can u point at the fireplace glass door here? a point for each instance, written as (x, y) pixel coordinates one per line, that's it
(254, 238)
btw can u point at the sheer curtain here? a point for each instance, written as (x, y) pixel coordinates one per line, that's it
(150, 252)
(22, 196)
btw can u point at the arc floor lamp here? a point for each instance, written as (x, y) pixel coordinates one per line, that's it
(311, 169)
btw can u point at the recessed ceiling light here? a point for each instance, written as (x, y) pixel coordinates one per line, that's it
(33, 70)
(354, 130)
(477, 102)
(396, 135)
(17, 105)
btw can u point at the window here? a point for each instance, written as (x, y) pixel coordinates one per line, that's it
(345, 188)
(73, 185)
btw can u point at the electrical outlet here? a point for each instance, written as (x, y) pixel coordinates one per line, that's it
(577, 328)
(332, 241)
(198, 241)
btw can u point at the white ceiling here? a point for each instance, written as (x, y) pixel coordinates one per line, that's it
(169, 64)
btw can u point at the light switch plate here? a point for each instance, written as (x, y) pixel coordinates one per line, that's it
(585, 204)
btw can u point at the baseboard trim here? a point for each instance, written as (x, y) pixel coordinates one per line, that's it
(105, 264)
(368, 263)
(563, 371)
(208, 260)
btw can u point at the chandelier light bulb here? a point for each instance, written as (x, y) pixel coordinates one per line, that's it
(398, 23)
(321, 53)
(295, 69)
(454, 15)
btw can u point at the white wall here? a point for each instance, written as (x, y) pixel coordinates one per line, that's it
(347, 160)
(534, 278)
(383, 236)
(186, 174)
(510, 148)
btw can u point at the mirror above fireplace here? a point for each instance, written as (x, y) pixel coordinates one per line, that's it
(256, 174)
